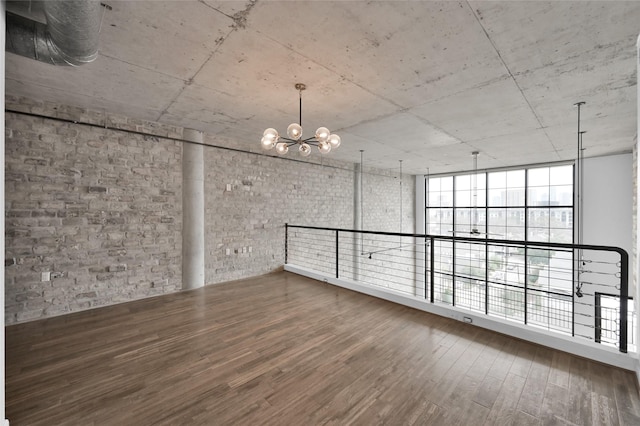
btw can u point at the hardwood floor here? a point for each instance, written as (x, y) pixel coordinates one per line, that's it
(286, 350)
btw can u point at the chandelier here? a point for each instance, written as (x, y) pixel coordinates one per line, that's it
(323, 139)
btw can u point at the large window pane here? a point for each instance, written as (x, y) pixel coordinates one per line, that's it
(515, 178)
(506, 188)
(506, 223)
(521, 205)
(470, 190)
(538, 177)
(470, 221)
(561, 195)
(443, 271)
(538, 196)
(470, 276)
(440, 221)
(441, 199)
(538, 226)
(561, 225)
(440, 192)
(561, 175)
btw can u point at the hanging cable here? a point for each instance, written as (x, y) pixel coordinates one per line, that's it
(400, 203)
(474, 188)
(361, 201)
(581, 204)
(578, 216)
(400, 197)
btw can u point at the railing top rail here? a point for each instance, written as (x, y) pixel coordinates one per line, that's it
(493, 241)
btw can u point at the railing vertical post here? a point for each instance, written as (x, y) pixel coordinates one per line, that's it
(624, 295)
(598, 319)
(337, 257)
(486, 274)
(425, 268)
(574, 284)
(432, 273)
(286, 243)
(526, 281)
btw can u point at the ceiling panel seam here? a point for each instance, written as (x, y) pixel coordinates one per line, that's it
(239, 22)
(141, 67)
(342, 77)
(495, 48)
(213, 8)
(188, 82)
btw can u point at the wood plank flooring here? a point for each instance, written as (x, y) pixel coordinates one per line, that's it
(286, 350)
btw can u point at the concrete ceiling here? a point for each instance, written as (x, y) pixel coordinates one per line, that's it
(419, 81)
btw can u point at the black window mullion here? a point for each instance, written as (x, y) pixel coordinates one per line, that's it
(486, 246)
(526, 239)
(453, 243)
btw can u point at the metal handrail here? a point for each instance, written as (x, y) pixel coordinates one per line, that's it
(623, 263)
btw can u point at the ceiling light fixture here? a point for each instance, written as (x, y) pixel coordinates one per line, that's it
(323, 139)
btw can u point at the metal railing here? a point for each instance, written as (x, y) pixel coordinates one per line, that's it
(574, 290)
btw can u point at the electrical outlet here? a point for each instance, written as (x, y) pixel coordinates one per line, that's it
(228, 251)
(228, 187)
(45, 276)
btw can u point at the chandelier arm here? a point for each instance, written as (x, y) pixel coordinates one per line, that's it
(289, 142)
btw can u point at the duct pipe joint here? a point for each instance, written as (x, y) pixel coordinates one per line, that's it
(70, 36)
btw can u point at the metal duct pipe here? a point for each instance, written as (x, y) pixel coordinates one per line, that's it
(70, 36)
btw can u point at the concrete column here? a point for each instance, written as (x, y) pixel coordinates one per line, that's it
(192, 211)
(357, 220)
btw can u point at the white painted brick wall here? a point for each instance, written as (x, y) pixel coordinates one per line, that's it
(101, 209)
(96, 208)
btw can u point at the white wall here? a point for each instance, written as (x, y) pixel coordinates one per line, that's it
(607, 201)
(607, 219)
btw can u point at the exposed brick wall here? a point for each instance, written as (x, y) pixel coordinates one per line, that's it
(265, 194)
(102, 208)
(96, 208)
(382, 203)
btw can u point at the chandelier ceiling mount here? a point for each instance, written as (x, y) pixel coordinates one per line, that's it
(323, 138)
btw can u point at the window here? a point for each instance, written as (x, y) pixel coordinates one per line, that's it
(534, 204)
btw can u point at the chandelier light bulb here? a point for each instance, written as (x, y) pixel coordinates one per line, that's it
(294, 131)
(304, 149)
(335, 141)
(282, 148)
(271, 133)
(268, 143)
(322, 134)
(324, 147)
